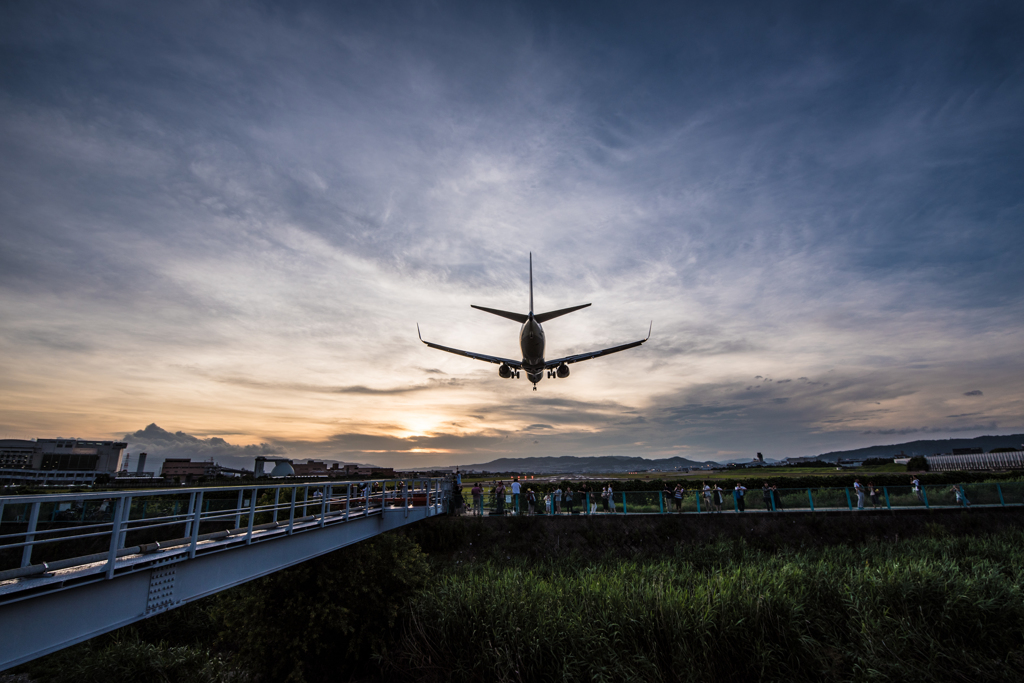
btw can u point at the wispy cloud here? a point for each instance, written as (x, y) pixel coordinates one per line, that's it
(236, 233)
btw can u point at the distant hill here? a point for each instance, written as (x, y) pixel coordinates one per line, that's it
(567, 463)
(623, 463)
(925, 447)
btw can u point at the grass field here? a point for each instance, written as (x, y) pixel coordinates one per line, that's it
(729, 612)
(648, 599)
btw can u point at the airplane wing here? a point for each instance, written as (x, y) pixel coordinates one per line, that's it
(595, 354)
(514, 364)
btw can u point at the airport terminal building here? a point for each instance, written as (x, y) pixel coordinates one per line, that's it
(57, 461)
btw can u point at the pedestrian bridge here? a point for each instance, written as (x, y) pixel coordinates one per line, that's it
(74, 566)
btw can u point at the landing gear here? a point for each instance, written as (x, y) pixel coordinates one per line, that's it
(506, 372)
(562, 371)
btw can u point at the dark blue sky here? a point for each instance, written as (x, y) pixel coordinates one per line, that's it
(225, 218)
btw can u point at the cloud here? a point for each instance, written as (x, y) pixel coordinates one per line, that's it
(980, 428)
(269, 219)
(159, 444)
(432, 383)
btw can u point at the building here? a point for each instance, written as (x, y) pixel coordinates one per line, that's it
(20, 454)
(314, 468)
(78, 454)
(317, 468)
(186, 470)
(358, 471)
(57, 461)
(61, 454)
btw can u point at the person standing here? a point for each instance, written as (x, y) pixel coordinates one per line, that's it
(777, 498)
(570, 499)
(677, 497)
(477, 492)
(961, 497)
(716, 498)
(859, 490)
(592, 497)
(515, 496)
(706, 495)
(915, 484)
(873, 492)
(558, 500)
(531, 501)
(611, 498)
(499, 496)
(604, 498)
(740, 492)
(457, 501)
(766, 492)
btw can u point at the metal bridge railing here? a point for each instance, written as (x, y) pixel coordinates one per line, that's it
(40, 534)
(822, 499)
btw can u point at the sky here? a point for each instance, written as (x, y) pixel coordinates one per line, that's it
(220, 223)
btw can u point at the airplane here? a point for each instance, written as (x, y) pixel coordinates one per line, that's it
(531, 342)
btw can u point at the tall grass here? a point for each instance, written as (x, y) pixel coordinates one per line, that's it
(937, 609)
(129, 658)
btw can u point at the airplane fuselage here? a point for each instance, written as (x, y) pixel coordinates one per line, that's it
(531, 342)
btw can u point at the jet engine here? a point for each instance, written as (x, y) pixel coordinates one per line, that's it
(563, 371)
(504, 371)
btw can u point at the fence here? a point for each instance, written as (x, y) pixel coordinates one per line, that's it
(889, 498)
(43, 533)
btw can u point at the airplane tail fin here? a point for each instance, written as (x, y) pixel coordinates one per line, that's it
(518, 317)
(522, 318)
(544, 317)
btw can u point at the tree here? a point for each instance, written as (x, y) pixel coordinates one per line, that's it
(918, 464)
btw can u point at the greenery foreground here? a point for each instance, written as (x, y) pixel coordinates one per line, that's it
(928, 598)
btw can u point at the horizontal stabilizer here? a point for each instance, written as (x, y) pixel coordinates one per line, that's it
(544, 317)
(518, 317)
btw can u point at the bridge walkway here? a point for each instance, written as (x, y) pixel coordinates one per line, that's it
(74, 566)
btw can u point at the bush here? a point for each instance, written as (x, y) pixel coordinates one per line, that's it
(324, 617)
(125, 657)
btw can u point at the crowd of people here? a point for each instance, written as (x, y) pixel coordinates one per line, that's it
(710, 498)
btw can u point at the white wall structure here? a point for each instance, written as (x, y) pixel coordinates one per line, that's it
(976, 461)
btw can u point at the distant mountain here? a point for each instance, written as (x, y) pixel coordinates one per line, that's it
(923, 447)
(622, 463)
(567, 463)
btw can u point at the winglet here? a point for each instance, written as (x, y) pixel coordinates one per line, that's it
(420, 334)
(648, 330)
